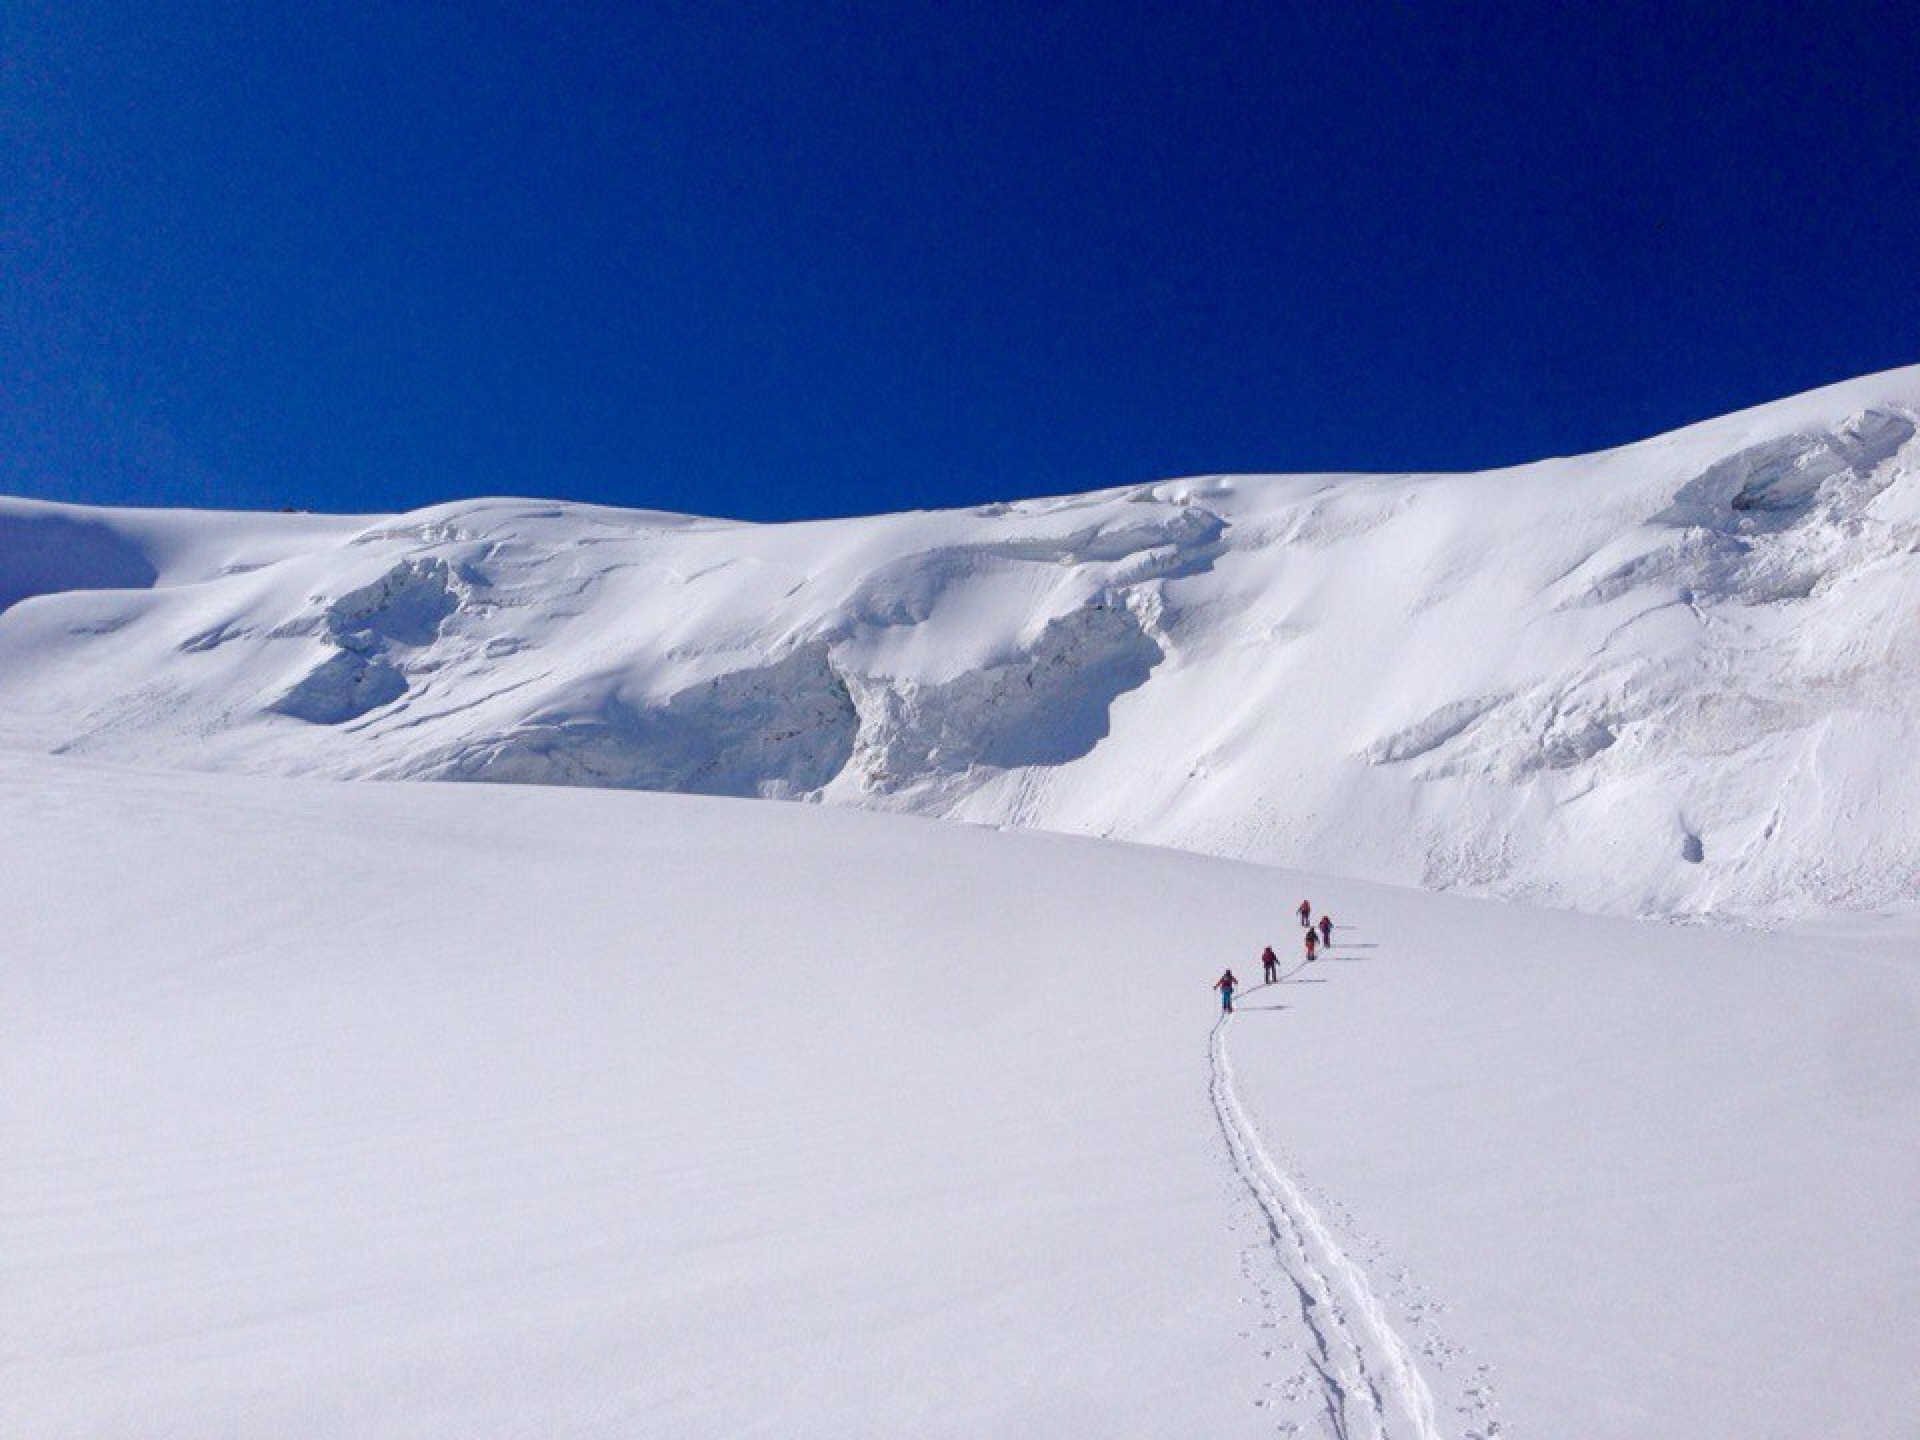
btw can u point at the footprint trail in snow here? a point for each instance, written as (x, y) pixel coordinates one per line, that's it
(1369, 1385)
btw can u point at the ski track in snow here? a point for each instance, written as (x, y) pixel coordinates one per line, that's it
(1371, 1388)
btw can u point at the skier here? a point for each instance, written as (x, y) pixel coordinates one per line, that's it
(1305, 912)
(1225, 985)
(1313, 944)
(1326, 931)
(1270, 963)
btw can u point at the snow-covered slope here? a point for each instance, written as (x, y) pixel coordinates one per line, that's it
(404, 1110)
(1678, 677)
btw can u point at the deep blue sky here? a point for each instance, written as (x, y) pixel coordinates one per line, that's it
(810, 259)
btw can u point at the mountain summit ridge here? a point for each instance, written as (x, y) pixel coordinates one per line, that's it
(1677, 677)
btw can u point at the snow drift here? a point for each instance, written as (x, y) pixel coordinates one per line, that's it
(1678, 677)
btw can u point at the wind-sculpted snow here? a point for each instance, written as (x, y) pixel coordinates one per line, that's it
(1678, 677)
(1047, 705)
(342, 687)
(781, 730)
(1770, 485)
(367, 630)
(47, 551)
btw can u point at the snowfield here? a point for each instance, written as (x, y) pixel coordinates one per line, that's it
(384, 1110)
(1678, 678)
(610, 1099)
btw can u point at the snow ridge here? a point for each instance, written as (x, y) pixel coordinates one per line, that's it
(1370, 1385)
(1678, 678)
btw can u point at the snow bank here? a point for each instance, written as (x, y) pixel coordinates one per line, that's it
(1675, 678)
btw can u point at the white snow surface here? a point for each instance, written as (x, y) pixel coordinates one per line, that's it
(1677, 678)
(405, 1110)
(1673, 678)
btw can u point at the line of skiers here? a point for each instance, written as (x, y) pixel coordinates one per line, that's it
(1317, 937)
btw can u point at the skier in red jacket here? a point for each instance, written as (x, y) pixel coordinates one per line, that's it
(1225, 985)
(1305, 912)
(1270, 963)
(1326, 931)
